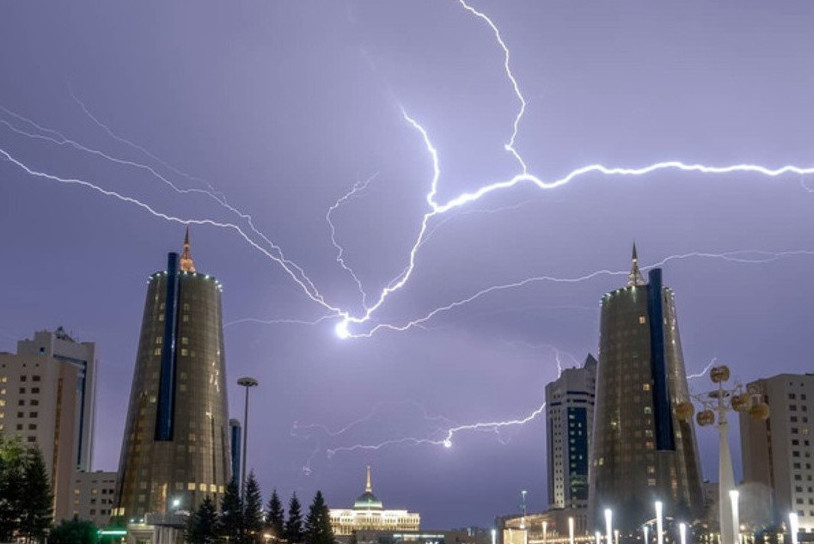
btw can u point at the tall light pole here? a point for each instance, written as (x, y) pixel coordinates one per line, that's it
(794, 526)
(715, 405)
(659, 522)
(246, 382)
(608, 526)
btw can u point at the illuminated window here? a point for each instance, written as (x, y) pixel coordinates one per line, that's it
(646, 387)
(642, 320)
(191, 486)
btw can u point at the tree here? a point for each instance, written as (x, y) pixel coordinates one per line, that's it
(318, 522)
(275, 518)
(293, 525)
(202, 527)
(253, 509)
(37, 515)
(12, 486)
(232, 525)
(75, 531)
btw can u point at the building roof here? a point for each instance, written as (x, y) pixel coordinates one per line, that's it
(367, 500)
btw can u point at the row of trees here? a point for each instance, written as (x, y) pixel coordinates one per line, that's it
(25, 492)
(241, 519)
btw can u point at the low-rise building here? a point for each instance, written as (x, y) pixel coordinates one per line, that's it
(368, 514)
(93, 494)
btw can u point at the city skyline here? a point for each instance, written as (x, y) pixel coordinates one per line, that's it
(285, 125)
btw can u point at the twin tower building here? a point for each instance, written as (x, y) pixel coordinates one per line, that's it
(176, 444)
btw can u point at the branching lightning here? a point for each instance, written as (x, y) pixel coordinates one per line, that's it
(357, 188)
(348, 321)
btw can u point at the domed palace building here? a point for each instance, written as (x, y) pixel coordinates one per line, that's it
(368, 514)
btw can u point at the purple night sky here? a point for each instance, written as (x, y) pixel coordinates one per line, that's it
(282, 107)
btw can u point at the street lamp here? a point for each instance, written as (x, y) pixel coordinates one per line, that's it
(736, 524)
(682, 530)
(248, 383)
(659, 522)
(608, 526)
(570, 529)
(794, 526)
(645, 531)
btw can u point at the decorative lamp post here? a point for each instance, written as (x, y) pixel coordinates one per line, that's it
(659, 522)
(608, 526)
(794, 526)
(570, 530)
(248, 383)
(715, 406)
(682, 531)
(645, 530)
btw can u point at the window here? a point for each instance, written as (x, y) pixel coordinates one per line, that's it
(23, 378)
(35, 390)
(32, 414)
(35, 378)
(22, 390)
(32, 426)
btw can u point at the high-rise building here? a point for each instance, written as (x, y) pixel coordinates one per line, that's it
(778, 451)
(82, 355)
(641, 451)
(175, 450)
(39, 403)
(569, 422)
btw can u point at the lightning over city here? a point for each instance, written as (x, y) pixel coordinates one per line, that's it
(413, 250)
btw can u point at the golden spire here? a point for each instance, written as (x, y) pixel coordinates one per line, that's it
(186, 259)
(368, 486)
(635, 277)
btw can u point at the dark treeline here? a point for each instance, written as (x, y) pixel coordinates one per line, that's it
(240, 520)
(25, 493)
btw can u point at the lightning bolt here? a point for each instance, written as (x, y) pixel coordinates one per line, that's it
(732, 256)
(706, 369)
(357, 188)
(347, 320)
(447, 438)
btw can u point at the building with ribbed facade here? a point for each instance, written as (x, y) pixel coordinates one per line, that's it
(176, 446)
(779, 452)
(569, 425)
(641, 451)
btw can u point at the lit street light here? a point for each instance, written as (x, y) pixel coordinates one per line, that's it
(608, 526)
(794, 526)
(246, 382)
(682, 529)
(659, 523)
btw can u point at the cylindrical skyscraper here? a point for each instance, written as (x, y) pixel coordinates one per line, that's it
(641, 451)
(176, 448)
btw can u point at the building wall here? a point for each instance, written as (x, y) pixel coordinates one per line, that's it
(93, 496)
(176, 442)
(38, 403)
(82, 355)
(347, 521)
(569, 420)
(641, 451)
(779, 452)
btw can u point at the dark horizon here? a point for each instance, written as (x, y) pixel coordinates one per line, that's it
(278, 110)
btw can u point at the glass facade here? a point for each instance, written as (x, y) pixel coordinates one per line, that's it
(641, 452)
(176, 444)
